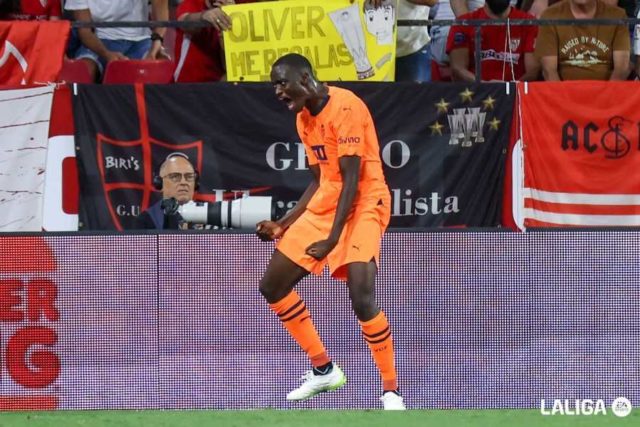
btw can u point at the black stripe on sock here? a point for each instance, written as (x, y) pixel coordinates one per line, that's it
(378, 341)
(377, 334)
(290, 309)
(296, 314)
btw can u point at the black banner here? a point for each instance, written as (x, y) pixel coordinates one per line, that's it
(443, 147)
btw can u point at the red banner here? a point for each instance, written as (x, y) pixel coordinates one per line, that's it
(61, 192)
(32, 51)
(581, 144)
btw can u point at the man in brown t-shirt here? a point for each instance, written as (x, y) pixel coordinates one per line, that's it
(583, 52)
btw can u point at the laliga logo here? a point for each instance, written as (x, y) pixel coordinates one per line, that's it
(10, 49)
(621, 407)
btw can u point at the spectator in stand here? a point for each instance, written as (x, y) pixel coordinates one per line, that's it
(30, 10)
(177, 179)
(199, 51)
(536, 7)
(584, 52)
(446, 9)
(506, 51)
(199, 55)
(109, 44)
(74, 41)
(413, 59)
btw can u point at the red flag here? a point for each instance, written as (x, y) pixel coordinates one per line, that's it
(32, 51)
(582, 153)
(61, 192)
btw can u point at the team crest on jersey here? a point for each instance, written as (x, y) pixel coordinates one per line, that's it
(514, 44)
(319, 152)
(459, 38)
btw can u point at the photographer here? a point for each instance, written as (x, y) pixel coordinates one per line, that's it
(177, 179)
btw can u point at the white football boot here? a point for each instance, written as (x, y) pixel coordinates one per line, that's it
(392, 402)
(314, 384)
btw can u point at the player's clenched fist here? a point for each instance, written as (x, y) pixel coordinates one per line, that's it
(269, 230)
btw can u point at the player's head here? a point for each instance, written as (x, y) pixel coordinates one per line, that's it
(177, 178)
(293, 79)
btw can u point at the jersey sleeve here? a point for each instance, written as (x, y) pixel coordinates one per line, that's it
(349, 128)
(459, 37)
(621, 38)
(530, 34)
(546, 43)
(530, 39)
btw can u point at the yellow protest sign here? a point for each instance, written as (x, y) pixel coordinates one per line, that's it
(343, 40)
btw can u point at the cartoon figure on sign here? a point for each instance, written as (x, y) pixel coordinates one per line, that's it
(347, 22)
(381, 21)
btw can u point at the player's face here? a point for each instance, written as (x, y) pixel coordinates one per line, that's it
(178, 180)
(289, 87)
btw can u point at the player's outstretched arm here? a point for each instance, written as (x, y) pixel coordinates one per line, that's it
(350, 171)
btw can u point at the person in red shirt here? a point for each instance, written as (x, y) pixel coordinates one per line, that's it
(30, 10)
(506, 50)
(199, 54)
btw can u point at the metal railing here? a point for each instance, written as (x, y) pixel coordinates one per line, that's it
(476, 23)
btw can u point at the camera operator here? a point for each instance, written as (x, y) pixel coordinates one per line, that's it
(177, 179)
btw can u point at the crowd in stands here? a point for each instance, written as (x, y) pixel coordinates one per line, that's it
(424, 53)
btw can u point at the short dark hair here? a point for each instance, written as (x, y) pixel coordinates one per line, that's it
(295, 61)
(370, 6)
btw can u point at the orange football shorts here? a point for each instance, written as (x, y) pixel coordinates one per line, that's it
(359, 242)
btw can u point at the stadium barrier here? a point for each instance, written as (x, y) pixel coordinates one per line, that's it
(480, 320)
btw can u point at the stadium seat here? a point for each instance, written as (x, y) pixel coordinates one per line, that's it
(138, 71)
(74, 71)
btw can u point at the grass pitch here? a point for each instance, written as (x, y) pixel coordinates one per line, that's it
(309, 418)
